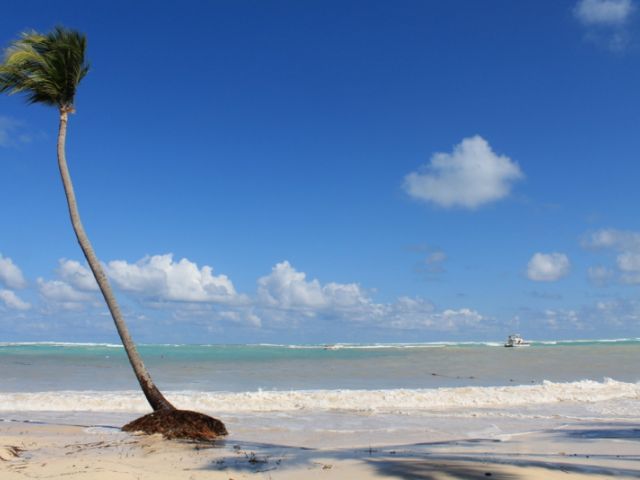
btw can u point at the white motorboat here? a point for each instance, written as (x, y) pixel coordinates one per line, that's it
(516, 340)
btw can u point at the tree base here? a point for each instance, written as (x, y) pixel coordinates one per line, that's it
(184, 424)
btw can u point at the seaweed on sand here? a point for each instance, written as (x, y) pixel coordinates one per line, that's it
(178, 424)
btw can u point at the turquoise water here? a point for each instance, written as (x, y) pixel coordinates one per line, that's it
(29, 367)
(354, 394)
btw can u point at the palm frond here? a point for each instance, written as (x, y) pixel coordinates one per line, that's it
(47, 68)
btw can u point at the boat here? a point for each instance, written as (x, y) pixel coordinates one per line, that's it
(516, 340)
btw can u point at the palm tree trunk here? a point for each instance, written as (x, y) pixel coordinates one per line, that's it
(154, 397)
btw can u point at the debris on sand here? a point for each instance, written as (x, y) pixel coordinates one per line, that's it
(9, 452)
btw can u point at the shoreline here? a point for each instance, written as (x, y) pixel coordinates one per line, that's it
(584, 449)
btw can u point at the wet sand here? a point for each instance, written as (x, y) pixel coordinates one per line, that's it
(583, 450)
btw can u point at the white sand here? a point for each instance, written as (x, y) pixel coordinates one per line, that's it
(596, 450)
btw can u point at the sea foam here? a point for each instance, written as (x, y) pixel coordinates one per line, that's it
(373, 401)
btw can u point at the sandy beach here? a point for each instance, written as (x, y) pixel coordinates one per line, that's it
(583, 450)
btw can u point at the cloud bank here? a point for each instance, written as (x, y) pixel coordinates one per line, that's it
(284, 298)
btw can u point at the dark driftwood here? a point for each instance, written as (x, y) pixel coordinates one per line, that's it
(173, 423)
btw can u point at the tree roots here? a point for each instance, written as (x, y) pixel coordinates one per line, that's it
(178, 424)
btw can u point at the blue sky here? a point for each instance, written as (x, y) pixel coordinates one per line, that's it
(332, 171)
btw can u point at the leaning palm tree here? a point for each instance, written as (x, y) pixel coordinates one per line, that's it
(48, 69)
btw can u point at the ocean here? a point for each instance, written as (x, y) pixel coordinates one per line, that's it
(354, 390)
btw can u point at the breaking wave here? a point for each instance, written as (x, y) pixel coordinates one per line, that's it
(374, 401)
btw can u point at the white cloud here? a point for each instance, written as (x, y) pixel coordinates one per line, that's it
(182, 281)
(10, 274)
(77, 275)
(287, 288)
(283, 298)
(629, 261)
(455, 319)
(628, 264)
(603, 12)
(611, 238)
(626, 243)
(409, 312)
(416, 313)
(60, 295)
(616, 317)
(616, 312)
(57, 291)
(470, 176)
(247, 317)
(562, 319)
(548, 267)
(606, 22)
(12, 301)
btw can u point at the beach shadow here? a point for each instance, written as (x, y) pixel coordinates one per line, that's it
(550, 462)
(413, 461)
(610, 432)
(418, 469)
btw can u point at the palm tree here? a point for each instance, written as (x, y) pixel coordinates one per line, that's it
(48, 68)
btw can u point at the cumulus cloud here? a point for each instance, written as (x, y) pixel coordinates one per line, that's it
(548, 267)
(77, 275)
(283, 298)
(57, 291)
(603, 12)
(287, 288)
(160, 277)
(471, 176)
(12, 301)
(10, 274)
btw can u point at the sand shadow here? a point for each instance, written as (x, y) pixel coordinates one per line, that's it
(413, 461)
(611, 432)
(418, 469)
